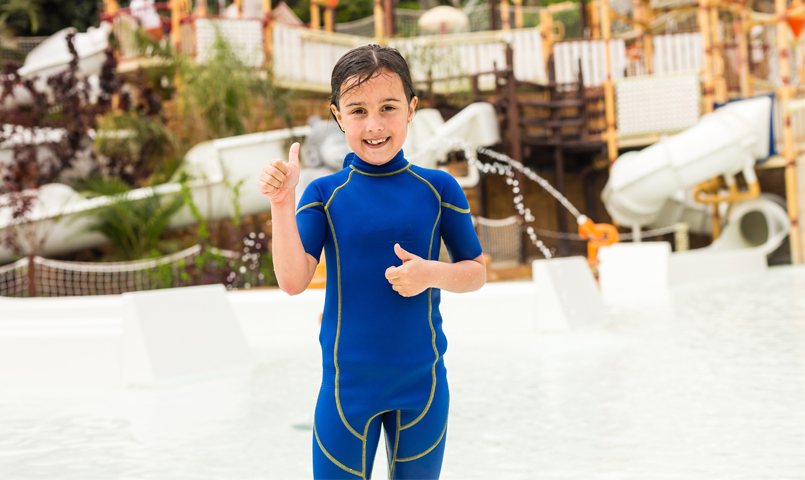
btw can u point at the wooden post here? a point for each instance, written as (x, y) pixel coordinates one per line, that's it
(329, 19)
(388, 10)
(200, 10)
(704, 27)
(31, 276)
(493, 17)
(648, 39)
(609, 88)
(719, 84)
(380, 22)
(505, 15)
(546, 32)
(784, 93)
(268, 29)
(110, 6)
(518, 14)
(583, 18)
(595, 24)
(561, 212)
(515, 141)
(639, 16)
(743, 53)
(176, 16)
(315, 16)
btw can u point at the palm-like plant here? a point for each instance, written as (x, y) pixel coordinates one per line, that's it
(133, 226)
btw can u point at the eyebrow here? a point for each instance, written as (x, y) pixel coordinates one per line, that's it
(360, 104)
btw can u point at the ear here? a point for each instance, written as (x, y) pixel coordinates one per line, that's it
(412, 108)
(336, 116)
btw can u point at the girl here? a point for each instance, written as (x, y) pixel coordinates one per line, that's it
(379, 221)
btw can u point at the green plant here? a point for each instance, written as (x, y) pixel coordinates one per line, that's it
(134, 226)
(209, 108)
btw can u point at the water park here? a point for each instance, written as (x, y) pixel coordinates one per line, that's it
(634, 172)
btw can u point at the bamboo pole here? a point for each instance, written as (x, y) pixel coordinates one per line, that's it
(380, 21)
(784, 93)
(329, 19)
(546, 32)
(518, 14)
(315, 16)
(268, 29)
(505, 15)
(609, 89)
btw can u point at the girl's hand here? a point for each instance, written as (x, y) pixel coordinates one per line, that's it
(412, 277)
(278, 179)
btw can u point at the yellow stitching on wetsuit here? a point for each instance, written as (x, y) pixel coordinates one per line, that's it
(453, 207)
(408, 459)
(428, 184)
(308, 206)
(380, 174)
(327, 205)
(396, 442)
(332, 459)
(338, 327)
(365, 436)
(432, 336)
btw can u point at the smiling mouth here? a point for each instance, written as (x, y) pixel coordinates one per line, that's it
(376, 143)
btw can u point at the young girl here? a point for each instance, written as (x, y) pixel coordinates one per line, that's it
(379, 221)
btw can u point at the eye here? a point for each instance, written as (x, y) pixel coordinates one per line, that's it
(388, 108)
(357, 111)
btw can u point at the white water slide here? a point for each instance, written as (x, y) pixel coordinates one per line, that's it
(646, 188)
(220, 166)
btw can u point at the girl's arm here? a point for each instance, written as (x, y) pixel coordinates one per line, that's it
(416, 274)
(293, 266)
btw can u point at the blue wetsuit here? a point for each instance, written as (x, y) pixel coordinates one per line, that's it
(381, 352)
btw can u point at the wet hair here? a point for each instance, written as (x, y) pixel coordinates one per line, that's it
(366, 63)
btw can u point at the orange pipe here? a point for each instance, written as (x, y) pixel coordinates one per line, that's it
(597, 235)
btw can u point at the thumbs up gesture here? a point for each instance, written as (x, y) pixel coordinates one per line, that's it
(412, 277)
(278, 179)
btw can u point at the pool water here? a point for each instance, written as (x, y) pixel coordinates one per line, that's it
(707, 383)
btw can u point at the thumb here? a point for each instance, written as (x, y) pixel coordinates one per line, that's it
(293, 155)
(402, 254)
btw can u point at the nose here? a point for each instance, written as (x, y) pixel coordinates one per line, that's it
(374, 123)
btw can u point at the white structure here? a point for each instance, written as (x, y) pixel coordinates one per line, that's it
(181, 334)
(566, 296)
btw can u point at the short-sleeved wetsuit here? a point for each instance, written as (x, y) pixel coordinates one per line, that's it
(381, 352)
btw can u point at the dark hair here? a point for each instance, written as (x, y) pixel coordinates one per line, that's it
(365, 63)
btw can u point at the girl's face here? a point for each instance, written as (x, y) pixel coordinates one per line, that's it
(375, 116)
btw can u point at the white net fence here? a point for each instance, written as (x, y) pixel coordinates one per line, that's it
(500, 239)
(192, 266)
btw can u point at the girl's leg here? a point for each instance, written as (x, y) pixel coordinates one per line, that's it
(417, 446)
(337, 452)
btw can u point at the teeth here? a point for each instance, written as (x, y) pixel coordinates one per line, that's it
(376, 142)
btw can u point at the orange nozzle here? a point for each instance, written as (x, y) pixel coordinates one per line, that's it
(597, 235)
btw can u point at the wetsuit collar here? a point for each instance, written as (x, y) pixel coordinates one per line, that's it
(396, 164)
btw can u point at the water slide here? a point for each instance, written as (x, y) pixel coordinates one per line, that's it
(52, 56)
(219, 167)
(647, 188)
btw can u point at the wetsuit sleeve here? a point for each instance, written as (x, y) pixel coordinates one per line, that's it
(456, 224)
(311, 221)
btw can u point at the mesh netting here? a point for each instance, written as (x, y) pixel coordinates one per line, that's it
(500, 239)
(54, 278)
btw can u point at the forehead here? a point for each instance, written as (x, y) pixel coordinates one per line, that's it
(385, 83)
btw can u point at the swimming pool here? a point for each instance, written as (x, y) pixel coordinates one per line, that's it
(706, 384)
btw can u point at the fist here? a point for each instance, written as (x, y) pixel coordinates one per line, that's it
(278, 179)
